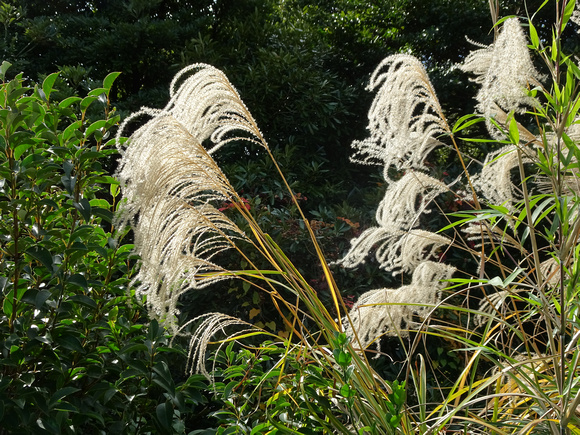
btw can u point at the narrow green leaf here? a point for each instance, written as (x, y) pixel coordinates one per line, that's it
(568, 11)
(514, 132)
(534, 36)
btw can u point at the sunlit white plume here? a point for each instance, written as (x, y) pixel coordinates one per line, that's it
(399, 246)
(504, 70)
(391, 311)
(171, 186)
(404, 119)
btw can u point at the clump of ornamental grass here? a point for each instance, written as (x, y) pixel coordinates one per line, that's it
(521, 233)
(172, 188)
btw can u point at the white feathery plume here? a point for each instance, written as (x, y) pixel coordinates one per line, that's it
(171, 185)
(404, 118)
(504, 70)
(399, 246)
(494, 179)
(210, 107)
(575, 18)
(404, 121)
(390, 312)
(211, 325)
(397, 251)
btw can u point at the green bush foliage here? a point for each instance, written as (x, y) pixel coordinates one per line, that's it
(79, 354)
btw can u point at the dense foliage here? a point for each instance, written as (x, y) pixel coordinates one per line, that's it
(78, 351)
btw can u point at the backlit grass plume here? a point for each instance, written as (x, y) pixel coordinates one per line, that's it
(398, 243)
(404, 119)
(171, 185)
(392, 312)
(504, 71)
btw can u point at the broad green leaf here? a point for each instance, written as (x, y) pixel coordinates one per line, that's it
(3, 68)
(69, 101)
(96, 92)
(84, 208)
(48, 83)
(94, 126)
(41, 254)
(21, 149)
(69, 132)
(78, 279)
(109, 80)
(69, 342)
(164, 412)
(84, 300)
(7, 306)
(86, 102)
(103, 203)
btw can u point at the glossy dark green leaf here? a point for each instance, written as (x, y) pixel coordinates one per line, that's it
(84, 208)
(69, 342)
(61, 394)
(164, 413)
(43, 255)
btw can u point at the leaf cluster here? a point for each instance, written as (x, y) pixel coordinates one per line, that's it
(78, 351)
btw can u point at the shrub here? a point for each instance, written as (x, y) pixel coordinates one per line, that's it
(78, 351)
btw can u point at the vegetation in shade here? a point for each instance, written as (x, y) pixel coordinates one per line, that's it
(94, 337)
(79, 353)
(512, 310)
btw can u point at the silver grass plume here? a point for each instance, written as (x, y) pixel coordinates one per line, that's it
(505, 70)
(399, 246)
(210, 325)
(575, 18)
(404, 119)
(390, 311)
(494, 180)
(171, 184)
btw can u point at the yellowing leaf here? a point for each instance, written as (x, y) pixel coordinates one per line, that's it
(254, 312)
